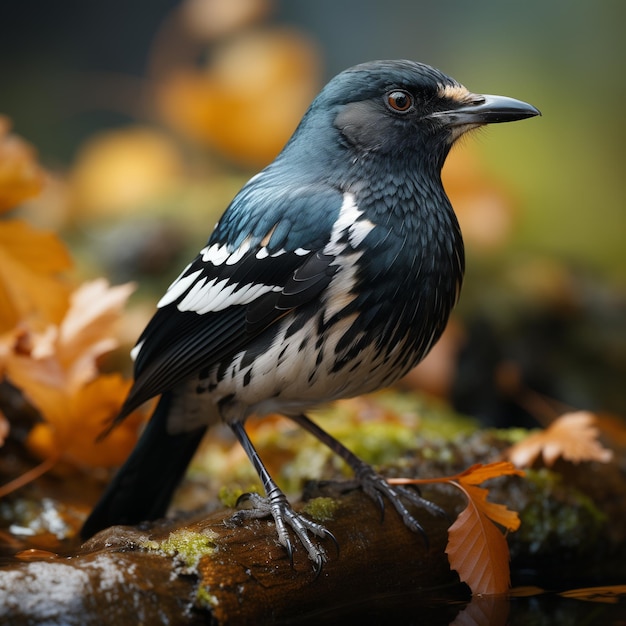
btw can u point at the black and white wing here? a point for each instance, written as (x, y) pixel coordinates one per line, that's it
(271, 252)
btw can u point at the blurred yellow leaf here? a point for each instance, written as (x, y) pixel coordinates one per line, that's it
(119, 170)
(20, 174)
(30, 264)
(250, 99)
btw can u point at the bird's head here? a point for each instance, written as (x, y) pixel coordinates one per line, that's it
(402, 108)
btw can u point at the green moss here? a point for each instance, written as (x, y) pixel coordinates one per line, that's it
(229, 494)
(205, 599)
(185, 545)
(435, 418)
(321, 509)
(557, 516)
(511, 435)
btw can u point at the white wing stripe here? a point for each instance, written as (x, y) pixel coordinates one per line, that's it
(178, 288)
(196, 294)
(358, 231)
(216, 254)
(212, 297)
(218, 297)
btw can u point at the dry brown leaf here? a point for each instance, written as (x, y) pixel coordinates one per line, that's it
(31, 290)
(20, 174)
(88, 328)
(73, 422)
(479, 474)
(56, 370)
(573, 437)
(476, 549)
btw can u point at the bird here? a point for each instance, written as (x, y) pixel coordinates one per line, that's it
(331, 274)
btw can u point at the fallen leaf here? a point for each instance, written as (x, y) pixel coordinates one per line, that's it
(57, 372)
(31, 289)
(478, 551)
(476, 548)
(610, 594)
(498, 513)
(74, 421)
(20, 174)
(88, 328)
(573, 437)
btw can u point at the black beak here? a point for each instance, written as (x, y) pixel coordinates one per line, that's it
(488, 110)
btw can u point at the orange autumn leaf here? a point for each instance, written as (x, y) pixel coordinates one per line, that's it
(480, 473)
(478, 551)
(75, 420)
(65, 356)
(88, 329)
(573, 437)
(476, 548)
(20, 175)
(57, 372)
(31, 262)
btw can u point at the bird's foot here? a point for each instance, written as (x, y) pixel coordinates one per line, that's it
(375, 486)
(277, 506)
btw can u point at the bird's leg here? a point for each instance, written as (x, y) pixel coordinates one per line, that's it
(275, 504)
(372, 483)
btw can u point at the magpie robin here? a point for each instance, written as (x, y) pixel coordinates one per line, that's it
(331, 274)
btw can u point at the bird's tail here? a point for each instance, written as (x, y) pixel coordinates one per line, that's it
(144, 485)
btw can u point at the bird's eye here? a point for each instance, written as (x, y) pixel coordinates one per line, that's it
(399, 100)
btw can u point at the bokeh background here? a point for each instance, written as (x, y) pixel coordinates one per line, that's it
(149, 115)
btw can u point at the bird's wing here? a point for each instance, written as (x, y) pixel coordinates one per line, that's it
(266, 257)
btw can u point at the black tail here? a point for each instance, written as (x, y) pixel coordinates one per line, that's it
(144, 485)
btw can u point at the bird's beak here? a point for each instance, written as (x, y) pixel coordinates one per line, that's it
(488, 110)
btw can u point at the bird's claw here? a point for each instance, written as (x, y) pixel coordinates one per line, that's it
(275, 505)
(375, 486)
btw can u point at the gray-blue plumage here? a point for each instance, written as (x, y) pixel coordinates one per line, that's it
(332, 273)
